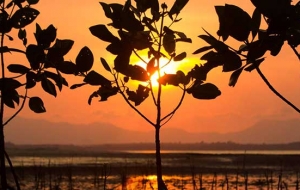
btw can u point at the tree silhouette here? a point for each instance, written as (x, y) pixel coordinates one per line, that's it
(144, 26)
(45, 63)
(282, 19)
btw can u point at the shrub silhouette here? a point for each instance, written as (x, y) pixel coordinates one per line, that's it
(45, 57)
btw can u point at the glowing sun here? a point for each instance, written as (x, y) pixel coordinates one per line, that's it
(166, 67)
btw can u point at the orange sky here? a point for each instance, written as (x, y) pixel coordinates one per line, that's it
(236, 109)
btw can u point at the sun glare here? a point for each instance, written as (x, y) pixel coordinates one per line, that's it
(166, 68)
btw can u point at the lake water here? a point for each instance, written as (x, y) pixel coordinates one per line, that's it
(134, 170)
(141, 157)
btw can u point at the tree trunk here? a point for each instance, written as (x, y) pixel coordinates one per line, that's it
(160, 183)
(2, 159)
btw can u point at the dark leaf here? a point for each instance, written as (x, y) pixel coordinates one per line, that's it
(216, 44)
(25, 41)
(30, 80)
(204, 91)
(143, 5)
(212, 56)
(9, 5)
(24, 16)
(22, 34)
(115, 48)
(256, 50)
(155, 10)
(271, 8)
(200, 72)
(136, 72)
(125, 18)
(106, 9)
(45, 37)
(49, 87)
(235, 76)
(139, 96)
(106, 91)
(121, 62)
(94, 78)
(74, 86)
(9, 84)
(234, 21)
(54, 57)
(35, 55)
(275, 44)
(173, 79)
(38, 30)
(64, 46)
(180, 57)
(32, 2)
(36, 104)
(9, 96)
(17, 68)
(188, 40)
(169, 43)
(255, 22)
(10, 38)
(9, 102)
(84, 60)
(15, 96)
(59, 80)
(5, 22)
(203, 49)
(67, 67)
(231, 61)
(180, 34)
(140, 40)
(101, 32)
(177, 7)
(105, 64)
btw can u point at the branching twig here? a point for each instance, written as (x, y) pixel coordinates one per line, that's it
(134, 108)
(269, 84)
(170, 115)
(139, 56)
(275, 91)
(16, 50)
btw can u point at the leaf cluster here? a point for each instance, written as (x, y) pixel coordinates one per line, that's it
(282, 19)
(45, 57)
(136, 27)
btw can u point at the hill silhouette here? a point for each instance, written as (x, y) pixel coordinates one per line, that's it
(34, 131)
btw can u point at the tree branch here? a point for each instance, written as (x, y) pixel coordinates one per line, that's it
(152, 93)
(133, 107)
(269, 84)
(274, 90)
(170, 115)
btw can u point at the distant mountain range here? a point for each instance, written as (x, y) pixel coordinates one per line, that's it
(33, 131)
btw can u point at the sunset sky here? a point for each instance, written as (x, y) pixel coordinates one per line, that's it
(237, 108)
